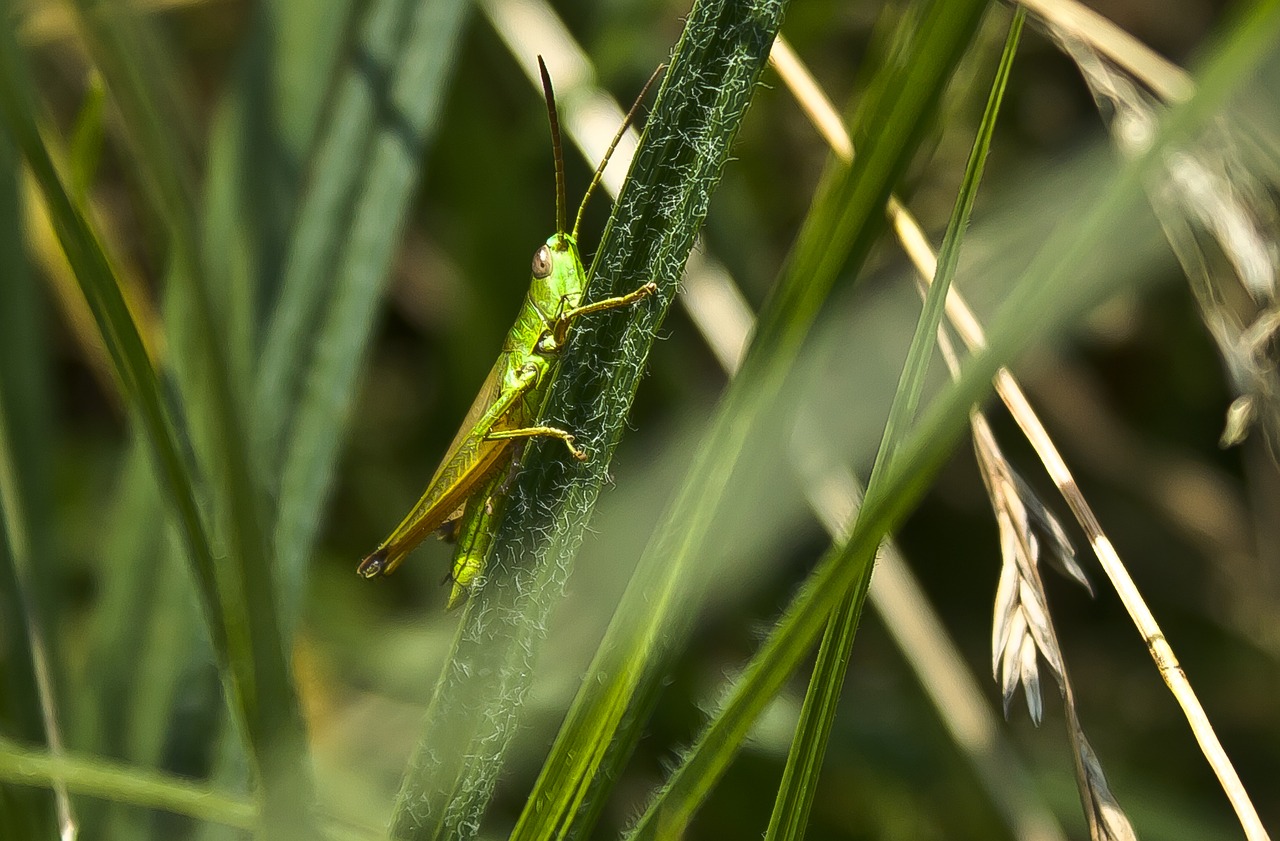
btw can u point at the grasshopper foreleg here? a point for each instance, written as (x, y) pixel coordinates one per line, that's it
(611, 303)
(558, 331)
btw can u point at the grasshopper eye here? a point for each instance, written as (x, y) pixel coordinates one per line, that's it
(542, 263)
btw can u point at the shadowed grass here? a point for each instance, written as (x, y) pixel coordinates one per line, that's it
(143, 84)
(25, 507)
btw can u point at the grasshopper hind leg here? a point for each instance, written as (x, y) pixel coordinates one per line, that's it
(475, 535)
(473, 550)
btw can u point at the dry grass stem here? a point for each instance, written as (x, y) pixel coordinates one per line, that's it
(1084, 24)
(1221, 222)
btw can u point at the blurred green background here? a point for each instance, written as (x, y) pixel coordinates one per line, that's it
(1136, 398)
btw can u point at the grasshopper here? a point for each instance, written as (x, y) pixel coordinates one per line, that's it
(464, 498)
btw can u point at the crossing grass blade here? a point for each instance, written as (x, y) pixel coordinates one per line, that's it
(653, 618)
(269, 121)
(255, 170)
(790, 816)
(140, 786)
(144, 597)
(122, 784)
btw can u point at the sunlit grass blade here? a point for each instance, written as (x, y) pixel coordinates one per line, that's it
(833, 493)
(994, 771)
(1076, 20)
(1042, 303)
(656, 608)
(123, 784)
(804, 761)
(137, 786)
(358, 248)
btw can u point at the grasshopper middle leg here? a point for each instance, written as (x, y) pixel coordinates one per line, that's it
(542, 432)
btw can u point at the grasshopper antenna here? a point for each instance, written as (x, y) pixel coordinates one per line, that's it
(556, 148)
(622, 129)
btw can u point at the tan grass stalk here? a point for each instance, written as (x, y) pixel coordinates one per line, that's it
(1221, 223)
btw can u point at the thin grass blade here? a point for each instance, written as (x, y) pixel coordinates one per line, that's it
(790, 815)
(122, 784)
(269, 709)
(140, 80)
(25, 508)
(337, 169)
(260, 136)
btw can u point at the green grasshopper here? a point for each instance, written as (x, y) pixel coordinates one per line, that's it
(465, 497)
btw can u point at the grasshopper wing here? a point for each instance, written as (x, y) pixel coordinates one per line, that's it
(469, 461)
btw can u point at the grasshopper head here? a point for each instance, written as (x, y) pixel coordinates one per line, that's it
(558, 275)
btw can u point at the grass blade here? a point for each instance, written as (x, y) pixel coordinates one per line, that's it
(378, 185)
(240, 618)
(121, 336)
(686, 142)
(319, 230)
(261, 133)
(141, 81)
(122, 784)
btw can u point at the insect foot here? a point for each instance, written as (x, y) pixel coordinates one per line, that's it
(577, 452)
(374, 565)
